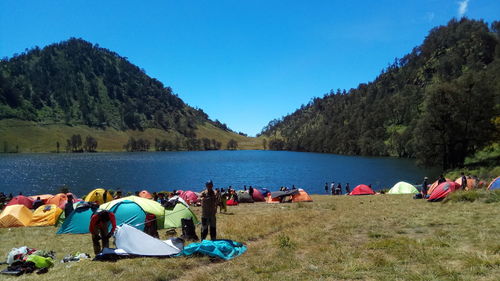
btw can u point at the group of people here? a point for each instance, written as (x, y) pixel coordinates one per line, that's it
(337, 189)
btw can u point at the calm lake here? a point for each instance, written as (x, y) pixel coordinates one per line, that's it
(155, 171)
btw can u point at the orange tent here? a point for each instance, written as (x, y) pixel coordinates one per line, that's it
(269, 199)
(302, 196)
(471, 183)
(43, 197)
(145, 194)
(433, 186)
(15, 215)
(46, 215)
(59, 200)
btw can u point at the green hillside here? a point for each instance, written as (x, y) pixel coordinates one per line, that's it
(77, 88)
(439, 104)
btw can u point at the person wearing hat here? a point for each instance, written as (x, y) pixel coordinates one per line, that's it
(423, 191)
(209, 201)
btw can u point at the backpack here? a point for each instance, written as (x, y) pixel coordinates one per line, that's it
(188, 230)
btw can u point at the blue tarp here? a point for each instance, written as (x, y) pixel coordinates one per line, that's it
(224, 249)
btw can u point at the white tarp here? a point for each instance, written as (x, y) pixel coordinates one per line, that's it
(136, 242)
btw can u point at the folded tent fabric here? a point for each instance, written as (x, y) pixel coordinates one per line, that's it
(224, 249)
(136, 242)
(15, 216)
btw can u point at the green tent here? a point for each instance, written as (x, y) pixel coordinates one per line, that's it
(149, 206)
(403, 188)
(174, 215)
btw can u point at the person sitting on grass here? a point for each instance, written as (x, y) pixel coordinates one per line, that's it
(99, 224)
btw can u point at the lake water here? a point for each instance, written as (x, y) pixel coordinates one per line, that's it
(156, 171)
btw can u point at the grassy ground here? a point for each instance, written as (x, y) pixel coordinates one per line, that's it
(33, 137)
(384, 237)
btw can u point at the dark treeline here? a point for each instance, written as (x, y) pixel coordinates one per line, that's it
(78, 83)
(439, 104)
(77, 144)
(140, 144)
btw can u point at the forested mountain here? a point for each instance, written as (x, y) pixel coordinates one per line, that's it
(78, 83)
(439, 104)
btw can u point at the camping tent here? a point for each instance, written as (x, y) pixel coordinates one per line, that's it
(21, 200)
(442, 190)
(145, 194)
(258, 196)
(79, 220)
(149, 206)
(434, 185)
(189, 196)
(302, 196)
(362, 189)
(471, 183)
(270, 199)
(43, 197)
(495, 184)
(15, 215)
(46, 215)
(128, 212)
(99, 195)
(244, 197)
(403, 188)
(174, 215)
(136, 242)
(59, 199)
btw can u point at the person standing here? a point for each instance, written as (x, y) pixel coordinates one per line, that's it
(250, 191)
(332, 188)
(209, 201)
(68, 207)
(326, 187)
(339, 189)
(423, 190)
(99, 223)
(347, 189)
(464, 181)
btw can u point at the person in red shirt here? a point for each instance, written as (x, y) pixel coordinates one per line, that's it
(99, 224)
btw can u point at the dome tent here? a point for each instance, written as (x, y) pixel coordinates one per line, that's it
(174, 215)
(495, 184)
(15, 215)
(302, 196)
(98, 195)
(46, 215)
(403, 188)
(149, 206)
(442, 190)
(127, 212)
(362, 189)
(79, 220)
(21, 200)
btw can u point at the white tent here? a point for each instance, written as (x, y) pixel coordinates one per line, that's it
(136, 242)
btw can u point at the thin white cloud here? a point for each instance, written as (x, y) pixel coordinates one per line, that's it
(462, 7)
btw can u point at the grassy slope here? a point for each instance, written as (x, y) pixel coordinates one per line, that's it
(31, 137)
(385, 237)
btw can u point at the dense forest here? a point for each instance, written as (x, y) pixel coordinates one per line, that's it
(439, 104)
(78, 83)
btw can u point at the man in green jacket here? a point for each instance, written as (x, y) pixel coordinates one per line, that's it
(209, 201)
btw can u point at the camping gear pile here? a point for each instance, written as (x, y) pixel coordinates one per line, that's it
(26, 260)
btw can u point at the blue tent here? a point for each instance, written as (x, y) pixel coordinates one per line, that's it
(79, 220)
(129, 212)
(495, 184)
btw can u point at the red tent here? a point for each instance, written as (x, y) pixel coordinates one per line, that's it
(257, 196)
(443, 190)
(362, 189)
(231, 202)
(189, 196)
(21, 200)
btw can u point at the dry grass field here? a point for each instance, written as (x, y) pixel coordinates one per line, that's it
(383, 237)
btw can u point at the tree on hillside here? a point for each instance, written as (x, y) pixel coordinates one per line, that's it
(74, 144)
(90, 144)
(232, 144)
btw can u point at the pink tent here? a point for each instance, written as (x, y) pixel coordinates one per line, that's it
(257, 196)
(189, 196)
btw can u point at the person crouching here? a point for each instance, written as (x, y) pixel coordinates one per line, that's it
(99, 225)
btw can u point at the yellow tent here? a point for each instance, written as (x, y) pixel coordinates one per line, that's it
(46, 215)
(98, 195)
(15, 215)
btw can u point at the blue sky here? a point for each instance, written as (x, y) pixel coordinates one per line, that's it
(242, 62)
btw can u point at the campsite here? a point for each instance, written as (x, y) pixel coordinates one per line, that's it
(377, 237)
